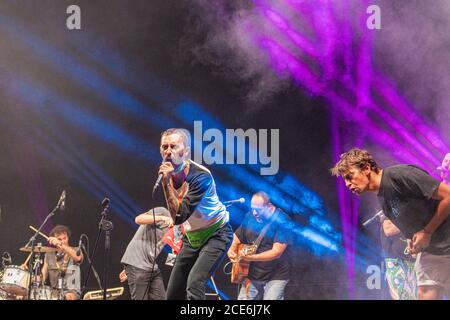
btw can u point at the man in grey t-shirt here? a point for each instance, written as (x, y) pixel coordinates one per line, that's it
(139, 260)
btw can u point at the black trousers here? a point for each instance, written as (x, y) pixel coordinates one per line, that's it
(144, 285)
(193, 267)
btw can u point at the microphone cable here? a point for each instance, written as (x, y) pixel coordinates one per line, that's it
(147, 289)
(156, 244)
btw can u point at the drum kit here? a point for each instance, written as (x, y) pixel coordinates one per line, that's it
(25, 281)
(15, 282)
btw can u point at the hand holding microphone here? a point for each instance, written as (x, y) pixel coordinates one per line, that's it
(165, 169)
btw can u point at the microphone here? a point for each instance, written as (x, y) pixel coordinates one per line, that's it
(158, 181)
(62, 201)
(240, 200)
(79, 246)
(105, 202)
(376, 216)
(6, 259)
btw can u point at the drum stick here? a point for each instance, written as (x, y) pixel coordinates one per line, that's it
(34, 229)
(28, 258)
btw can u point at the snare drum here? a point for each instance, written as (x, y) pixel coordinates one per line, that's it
(15, 280)
(43, 293)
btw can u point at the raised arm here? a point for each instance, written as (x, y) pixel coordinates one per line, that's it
(147, 218)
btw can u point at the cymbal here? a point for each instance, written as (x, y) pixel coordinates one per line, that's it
(39, 249)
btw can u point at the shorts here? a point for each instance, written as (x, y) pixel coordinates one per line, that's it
(433, 270)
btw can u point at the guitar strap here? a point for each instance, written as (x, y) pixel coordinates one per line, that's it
(264, 230)
(257, 242)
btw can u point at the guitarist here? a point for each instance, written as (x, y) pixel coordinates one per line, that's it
(269, 270)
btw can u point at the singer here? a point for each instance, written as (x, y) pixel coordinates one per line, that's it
(417, 204)
(62, 268)
(191, 197)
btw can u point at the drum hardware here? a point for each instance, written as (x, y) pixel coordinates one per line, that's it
(37, 280)
(61, 285)
(43, 292)
(31, 242)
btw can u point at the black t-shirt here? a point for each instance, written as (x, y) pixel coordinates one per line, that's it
(278, 269)
(406, 198)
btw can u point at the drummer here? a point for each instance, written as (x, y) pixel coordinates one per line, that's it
(62, 268)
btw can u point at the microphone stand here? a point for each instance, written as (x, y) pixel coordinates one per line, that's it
(32, 241)
(93, 268)
(229, 203)
(377, 215)
(107, 226)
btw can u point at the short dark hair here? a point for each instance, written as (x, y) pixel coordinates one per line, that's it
(355, 157)
(180, 131)
(60, 229)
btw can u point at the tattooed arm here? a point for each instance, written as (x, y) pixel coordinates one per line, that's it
(171, 197)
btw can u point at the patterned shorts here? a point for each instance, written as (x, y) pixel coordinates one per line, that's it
(401, 279)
